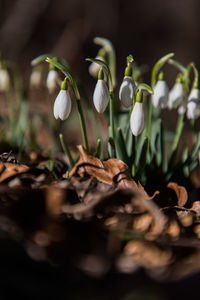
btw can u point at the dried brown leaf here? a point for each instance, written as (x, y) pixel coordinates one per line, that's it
(112, 171)
(196, 207)
(180, 191)
(8, 170)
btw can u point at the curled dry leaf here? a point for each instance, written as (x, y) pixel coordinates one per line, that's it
(180, 191)
(196, 207)
(9, 169)
(112, 171)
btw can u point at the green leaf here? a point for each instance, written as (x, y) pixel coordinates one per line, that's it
(98, 149)
(142, 161)
(121, 147)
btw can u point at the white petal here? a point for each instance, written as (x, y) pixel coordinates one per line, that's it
(137, 121)
(4, 80)
(126, 91)
(62, 105)
(176, 95)
(194, 95)
(193, 103)
(160, 94)
(191, 110)
(51, 81)
(94, 67)
(101, 96)
(35, 78)
(182, 109)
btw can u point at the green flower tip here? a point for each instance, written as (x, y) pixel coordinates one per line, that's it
(179, 78)
(161, 76)
(64, 84)
(102, 53)
(139, 96)
(128, 70)
(101, 74)
(196, 84)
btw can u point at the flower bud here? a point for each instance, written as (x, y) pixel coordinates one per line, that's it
(137, 120)
(52, 80)
(94, 67)
(4, 80)
(35, 78)
(62, 104)
(101, 94)
(161, 93)
(126, 91)
(182, 109)
(176, 95)
(193, 103)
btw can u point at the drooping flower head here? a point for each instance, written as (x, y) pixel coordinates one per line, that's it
(177, 94)
(193, 103)
(62, 104)
(94, 68)
(127, 88)
(161, 92)
(35, 78)
(52, 79)
(101, 93)
(4, 80)
(137, 120)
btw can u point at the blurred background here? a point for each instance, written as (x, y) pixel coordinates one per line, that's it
(146, 29)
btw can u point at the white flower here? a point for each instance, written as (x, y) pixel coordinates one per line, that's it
(51, 82)
(126, 91)
(137, 121)
(160, 94)
(176, 95)
(62, 105)
(193, 103)
(4, 80)
(101, 96)
(182, 109)
(35, 78)
(94, 67)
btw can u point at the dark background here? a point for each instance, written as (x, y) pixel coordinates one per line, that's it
(146, 29)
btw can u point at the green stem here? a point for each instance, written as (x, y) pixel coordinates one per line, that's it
(82, 124)
(66, 150)
(179, 130)
(111, 119)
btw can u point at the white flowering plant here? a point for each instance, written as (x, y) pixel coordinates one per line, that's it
(136, 132)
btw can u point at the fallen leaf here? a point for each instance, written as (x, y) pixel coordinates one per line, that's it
(9, 169)
(180, 191)
(112, 171)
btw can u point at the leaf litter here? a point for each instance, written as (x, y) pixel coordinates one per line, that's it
(100, 218)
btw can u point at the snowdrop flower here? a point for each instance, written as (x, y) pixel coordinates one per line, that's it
(101, 94)
(137, 120)
(51, 82)
(4, 80)
(127, 87)
(62, 104)
(177, 93)
(94, 68)
(182, 109)
(161, 92)
(126, 91)
(35, 78)
(193, 103)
